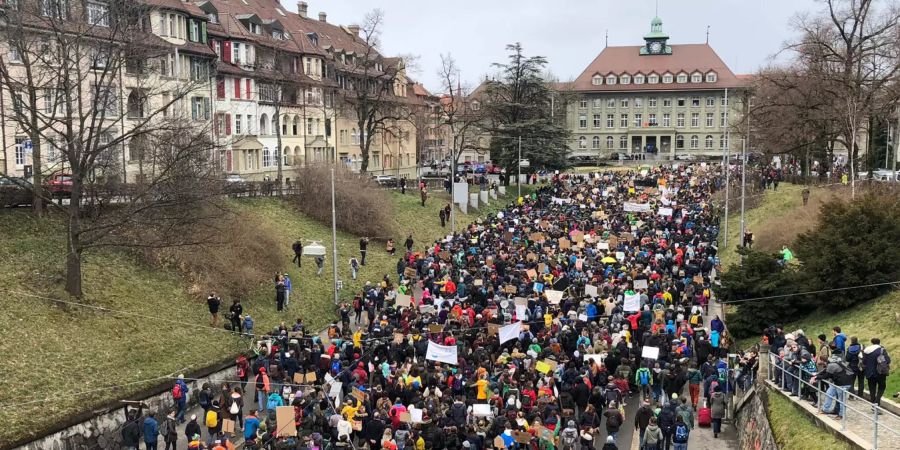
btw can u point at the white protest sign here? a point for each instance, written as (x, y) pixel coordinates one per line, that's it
(641, 284)
(632, 302)
(603, 246)
(521, 311)
(583, 317)
(335, 389)
(591, 291)
(636, 207)
(650, 353)
(554, 297)
(598, 358)
(416, 414)
(620, 256)
(481, 410)
(403, 300)
(665, 212)
(441, 353)
(510, 332)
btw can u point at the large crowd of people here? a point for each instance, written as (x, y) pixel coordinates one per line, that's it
(532, 328)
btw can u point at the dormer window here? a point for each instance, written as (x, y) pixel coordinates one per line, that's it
(254, 28)
(696, 78)
(667, 78)
(711, 77)
(653, 79)
(625, 79)
(682, 78)
(213, 17)
(597, 80)
(313, 37)
(611, 79)
(98, 13)
(638, 79)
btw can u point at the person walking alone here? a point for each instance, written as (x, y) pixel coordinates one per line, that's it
(363, 245)
(423, 193)
(279, 292)
(320, 265)
(213, 302)
(298, 252)
(876, 365)
(354, 267)
(443, 215)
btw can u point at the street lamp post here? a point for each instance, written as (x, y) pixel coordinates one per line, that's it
(334, 239)
(743, 190)
(519, 165)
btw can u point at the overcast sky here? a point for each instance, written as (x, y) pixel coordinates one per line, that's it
(570, 33)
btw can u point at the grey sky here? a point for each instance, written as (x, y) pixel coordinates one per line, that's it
(570, 33)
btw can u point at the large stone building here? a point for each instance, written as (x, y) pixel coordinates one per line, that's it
(655, 98)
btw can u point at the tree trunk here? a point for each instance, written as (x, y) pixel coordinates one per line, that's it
(37, 180)
(73, 241)
(278, 152)
(364, 154)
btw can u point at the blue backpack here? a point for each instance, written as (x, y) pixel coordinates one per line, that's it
(681, 434)
(644, 377)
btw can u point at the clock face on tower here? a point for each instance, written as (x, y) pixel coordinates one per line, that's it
(655, 48)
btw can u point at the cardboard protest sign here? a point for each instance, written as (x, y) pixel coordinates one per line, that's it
(650, 352)
(445, 255)
(532, 274)
(478, 282)
(409, 272)
(698, 279)
(531, 257)
(537, 237)
(403, 300)
(284, 419)
(591, 291)
(507, 236)
(493, 329)
(499, 443)
(298, 378)
(510, 289)
(564, 243)
(310, 377)
(542, 268)
(627, 237)
(398, 338)
(360, 395)
(228, 426)
(521, 437)
(613, 241)
(578, 236)
(554, 297)
(406, 417)
(435, 328)
(521, 301)
(641, 284)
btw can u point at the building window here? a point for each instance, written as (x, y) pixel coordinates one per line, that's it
(723, 120)
(695, 141)
(638, 79)
(98, 14)
(611, 102)
(724, 101)
(623, 121)
(582, 142)
(695, 102)
(652, 119)
(711, 77)
(625, 79)
(267, 157)
(597, 121)
(709, 141)
(582, 121)
(309, 125)
(679, 120)
(55, 9)
(653, 79)
(723, 143)
(582, 104)
(680, 102)
(14, 55)
(709, 120)
(695, 120)
(667, 78)
(237, 124)
(624, 103)
(667, 120)
(251, 160)
(679, 142)
(609, 142)
(710, 102)
(623, 142)
(236, 53)
(638, 118)
(136, 104)
(610, 121)
(638, 102)
(682, 78)
(20, 150)
(611, 79)
(667, 102)
(652, 102)
(595, 142)
(696, 78)
(596, 103)
(597, 80)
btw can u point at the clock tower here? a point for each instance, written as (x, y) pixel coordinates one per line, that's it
(656, 40)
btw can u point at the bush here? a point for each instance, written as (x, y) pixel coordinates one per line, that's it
(363, 208)
(854, 244)
(760, 276)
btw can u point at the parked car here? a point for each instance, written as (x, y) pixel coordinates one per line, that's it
(60, 185)
(494, 169)
(234, 178)
(685, 157)
(14, 192)
(619, 156)
(385, 180)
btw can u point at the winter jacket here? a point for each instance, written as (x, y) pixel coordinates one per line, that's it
(131, 433)
(653, 435)
(854, 357)
(192, 428)
(642, 417)
(835, 372)
(870, 360)
(151, 430)
(718, 406)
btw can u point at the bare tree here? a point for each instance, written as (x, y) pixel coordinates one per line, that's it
(463, 118)
(85, 64)
(371, 84)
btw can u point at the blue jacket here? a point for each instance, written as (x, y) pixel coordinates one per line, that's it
(151, 430)
(248, 325)
(287, 282)
(714, 338)
(184, 390)
(251, 424)
(840, 342)
(870, 360)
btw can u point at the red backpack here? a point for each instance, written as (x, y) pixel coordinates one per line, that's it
(176, 392)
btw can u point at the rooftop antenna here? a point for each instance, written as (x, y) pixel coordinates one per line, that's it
(607, 38)
(707, 34)
(657, 8)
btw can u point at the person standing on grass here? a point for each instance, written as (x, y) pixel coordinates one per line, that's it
(443, 216)
(298, 252)
(288, 287)
(363, 245)
(320, 265)
(403, 186)
(236, 310)
(279, 292)
(805, 195)
(876, 365)
(354, 267)
(423, 193)
(151, 431)
(409, 244)
(213, 302)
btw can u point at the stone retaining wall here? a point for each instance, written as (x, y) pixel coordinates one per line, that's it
(752, 422)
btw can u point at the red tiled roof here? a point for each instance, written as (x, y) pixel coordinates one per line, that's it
(687, 58)
(178, 5)
(418, 89)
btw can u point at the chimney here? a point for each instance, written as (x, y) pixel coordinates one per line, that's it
(302, 8)
(354, 29)
(322, 17)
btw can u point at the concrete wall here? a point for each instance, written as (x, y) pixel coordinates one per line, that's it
(752, 421)
(102, 431)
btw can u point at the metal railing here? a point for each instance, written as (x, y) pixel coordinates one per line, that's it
(793, 378)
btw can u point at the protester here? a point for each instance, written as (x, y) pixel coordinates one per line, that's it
(297, 247)
(213, 302)
(280, 292)
(169, 431)
(876, 365)
(363, 246)
(151, 431)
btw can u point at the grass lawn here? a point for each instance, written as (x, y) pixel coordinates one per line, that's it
(794, 431)
(58, 353)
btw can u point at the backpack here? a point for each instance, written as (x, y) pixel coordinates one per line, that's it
(569, 438)
(695, 319)
(176, 392)
(272, 403)
(212, 419)
(644, 377)
(356, 303)
(681, 434)
(614, 421)
(882, 365)
(234, 409)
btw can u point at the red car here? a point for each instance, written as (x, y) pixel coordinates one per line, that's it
(60, 185)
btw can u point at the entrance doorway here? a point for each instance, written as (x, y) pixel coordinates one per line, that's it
(651, 147)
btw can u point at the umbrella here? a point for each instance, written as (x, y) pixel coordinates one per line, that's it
(608, 260)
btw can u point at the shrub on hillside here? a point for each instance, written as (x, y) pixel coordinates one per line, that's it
(855, 243)
(760, 276)
(236, 254)
(363, 208)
